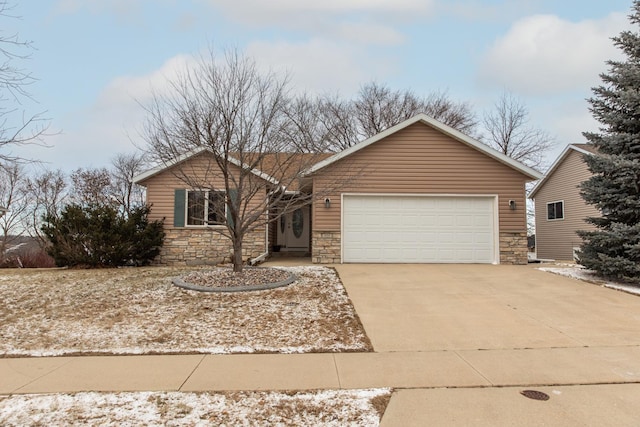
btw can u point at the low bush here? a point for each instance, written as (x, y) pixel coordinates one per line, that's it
(31, 258)
(99, 236)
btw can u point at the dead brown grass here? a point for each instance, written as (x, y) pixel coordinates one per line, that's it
(138, 311)
(328, 407)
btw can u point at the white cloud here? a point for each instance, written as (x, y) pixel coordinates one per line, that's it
(571, 118)
(481, 10)
(253, 9)
(360, 21)
(365, 33)
(544, 54)
(129, 89)
(112, 123)
(320, 66)
(121, 8)
(92, 136)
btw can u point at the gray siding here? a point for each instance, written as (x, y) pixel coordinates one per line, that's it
(555, 239)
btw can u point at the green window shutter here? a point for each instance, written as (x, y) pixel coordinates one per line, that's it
(179, 201)
(233, 195)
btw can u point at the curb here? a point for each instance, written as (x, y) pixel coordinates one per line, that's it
(248, 288)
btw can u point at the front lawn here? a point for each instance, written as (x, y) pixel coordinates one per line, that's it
(139, 311)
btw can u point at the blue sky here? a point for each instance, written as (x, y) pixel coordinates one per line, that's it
(96, 60)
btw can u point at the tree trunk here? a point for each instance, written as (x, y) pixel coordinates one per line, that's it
(237, 255)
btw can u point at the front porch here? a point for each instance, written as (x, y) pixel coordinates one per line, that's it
(291, 234)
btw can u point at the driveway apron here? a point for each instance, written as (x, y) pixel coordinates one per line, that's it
(485, 307)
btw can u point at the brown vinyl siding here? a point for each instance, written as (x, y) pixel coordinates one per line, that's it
(201, 170)
(195, 245)
(555, 239)
(421, 160)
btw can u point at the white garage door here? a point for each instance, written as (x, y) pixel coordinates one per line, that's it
(418, 229)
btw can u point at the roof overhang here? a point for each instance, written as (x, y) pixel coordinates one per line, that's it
(447, 130)
(138, 179)
(555, 165)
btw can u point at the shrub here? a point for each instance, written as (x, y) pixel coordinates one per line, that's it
(30, 258)
(98, 236)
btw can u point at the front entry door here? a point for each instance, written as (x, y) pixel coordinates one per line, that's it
(293, 230)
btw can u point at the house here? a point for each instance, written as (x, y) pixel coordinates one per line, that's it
(419, 192)
(560, 211)
(2, 211)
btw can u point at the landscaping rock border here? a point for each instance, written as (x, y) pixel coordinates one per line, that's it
(179, 282)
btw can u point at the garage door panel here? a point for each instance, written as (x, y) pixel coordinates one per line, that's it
(483, 220)
(483, 238)
(418, 229)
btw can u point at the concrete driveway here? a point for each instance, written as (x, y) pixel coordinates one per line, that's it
(514, 326)
(457, 343)
(471, 307)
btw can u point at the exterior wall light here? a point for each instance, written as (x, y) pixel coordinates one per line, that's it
(512, 205)
(327, 203)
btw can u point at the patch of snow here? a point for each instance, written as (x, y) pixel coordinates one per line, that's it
(580, 273)
(625, 288)
(321, 408)
(138, 311)
(15, 248)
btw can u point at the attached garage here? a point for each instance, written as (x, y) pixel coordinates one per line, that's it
(419, 229)
(420, 192)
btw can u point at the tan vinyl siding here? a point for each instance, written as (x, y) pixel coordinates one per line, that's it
(201, 172)
(422, 160)
(555, 239)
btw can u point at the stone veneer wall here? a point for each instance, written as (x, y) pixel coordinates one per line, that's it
(513, 248)
(325, 247)
(202, 246)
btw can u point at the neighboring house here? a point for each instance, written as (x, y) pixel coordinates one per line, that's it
(2, 211)
(419, 192)
(559, 208)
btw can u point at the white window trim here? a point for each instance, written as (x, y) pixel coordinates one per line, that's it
(563, 211)
(205, 223)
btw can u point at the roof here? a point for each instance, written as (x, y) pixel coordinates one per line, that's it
(585, 147)
(276, 168)
(275, 165)
(138, 179)
(447, 130)
(580, 148)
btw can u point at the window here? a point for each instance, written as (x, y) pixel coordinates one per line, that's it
(555, 210)
(206, 207)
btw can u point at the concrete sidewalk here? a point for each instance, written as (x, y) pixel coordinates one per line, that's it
(452, 369)
(479, 387)
(457, 343)
(477, 368)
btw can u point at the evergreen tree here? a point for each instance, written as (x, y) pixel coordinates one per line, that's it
(613, 250)
(98, 236)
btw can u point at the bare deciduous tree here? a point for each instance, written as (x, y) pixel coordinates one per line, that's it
(14, 198)
(377, 107)
(254, 140)
(337, 118)
(47, 193)
(124, 167)
(508, 131)
(16, 127)
(91, 187)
